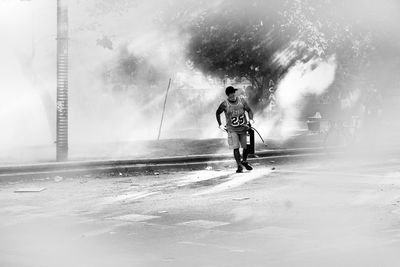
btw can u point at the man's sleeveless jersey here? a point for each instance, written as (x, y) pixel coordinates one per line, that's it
(235, 116)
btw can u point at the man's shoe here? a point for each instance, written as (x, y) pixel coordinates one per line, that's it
(239, 169)
(246, 165)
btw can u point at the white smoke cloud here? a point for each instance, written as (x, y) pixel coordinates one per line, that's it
(96, 112)
(303, 79)
(99, 114)
(24, 99)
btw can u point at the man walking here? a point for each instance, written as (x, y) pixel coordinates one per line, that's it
(234, 108)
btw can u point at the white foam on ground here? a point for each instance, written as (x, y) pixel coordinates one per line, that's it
(215, 246)
(19, 209)
(134, 217)
(237, 180)
(203, 224)
(127, 197)
(393, 175)
(201, 176)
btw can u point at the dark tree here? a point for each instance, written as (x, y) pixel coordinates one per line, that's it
(129, 73)
(239, 42)
(318, 24)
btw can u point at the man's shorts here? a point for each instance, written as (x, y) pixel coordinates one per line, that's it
(237, 140)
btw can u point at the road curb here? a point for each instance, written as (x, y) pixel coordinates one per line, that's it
(118, 167)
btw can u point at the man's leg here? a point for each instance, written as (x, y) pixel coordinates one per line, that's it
(245, 153)
(243, 142)
(233, 140)
(236, 154)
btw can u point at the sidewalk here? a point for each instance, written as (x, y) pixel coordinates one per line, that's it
(147, 149)
(154, 157)
(144, 157)
(172, 148)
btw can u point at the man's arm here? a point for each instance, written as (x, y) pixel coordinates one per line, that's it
(220, 109)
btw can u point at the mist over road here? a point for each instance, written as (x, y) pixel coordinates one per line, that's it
(324, 212)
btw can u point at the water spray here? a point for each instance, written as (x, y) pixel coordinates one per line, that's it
(254, 129)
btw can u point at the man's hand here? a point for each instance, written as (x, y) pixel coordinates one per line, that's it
(223, 128)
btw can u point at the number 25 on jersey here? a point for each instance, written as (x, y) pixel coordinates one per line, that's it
(238, 120)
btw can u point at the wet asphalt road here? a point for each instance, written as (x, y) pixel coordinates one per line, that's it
(304, 213)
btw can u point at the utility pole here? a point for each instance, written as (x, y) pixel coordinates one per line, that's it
(62, 80)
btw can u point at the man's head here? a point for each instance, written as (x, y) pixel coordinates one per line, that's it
(230, 92)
